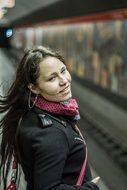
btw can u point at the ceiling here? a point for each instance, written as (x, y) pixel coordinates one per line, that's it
(23, 8)
(28, 12)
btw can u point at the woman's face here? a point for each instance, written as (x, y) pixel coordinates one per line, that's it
(54, 82)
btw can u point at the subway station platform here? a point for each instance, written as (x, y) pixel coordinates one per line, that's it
(112, 176)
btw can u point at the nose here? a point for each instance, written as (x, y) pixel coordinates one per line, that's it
(63, 80)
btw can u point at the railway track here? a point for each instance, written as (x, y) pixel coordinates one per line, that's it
(102, 157)
(109, 134)
(106, 139)
(108, 142)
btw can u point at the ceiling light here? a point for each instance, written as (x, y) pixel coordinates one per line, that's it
(7, 3)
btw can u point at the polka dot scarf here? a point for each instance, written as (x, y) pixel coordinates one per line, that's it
(68, 108)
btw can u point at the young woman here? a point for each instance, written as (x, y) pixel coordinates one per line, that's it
(39, 127)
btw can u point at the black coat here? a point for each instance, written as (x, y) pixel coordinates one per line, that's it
(51, 154)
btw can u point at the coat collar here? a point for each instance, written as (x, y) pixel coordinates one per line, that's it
(48, 118)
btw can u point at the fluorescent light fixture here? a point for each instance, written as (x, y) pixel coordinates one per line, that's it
(4, 5)
(7, 3)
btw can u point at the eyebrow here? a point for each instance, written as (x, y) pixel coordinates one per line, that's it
(55, 73)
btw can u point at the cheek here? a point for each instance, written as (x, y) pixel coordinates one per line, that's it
(49, 88)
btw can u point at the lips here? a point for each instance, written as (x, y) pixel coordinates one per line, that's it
(64, 89)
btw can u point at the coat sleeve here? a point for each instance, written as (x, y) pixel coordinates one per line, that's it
(51, 149)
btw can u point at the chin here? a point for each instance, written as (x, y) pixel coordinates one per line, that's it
(66, 97)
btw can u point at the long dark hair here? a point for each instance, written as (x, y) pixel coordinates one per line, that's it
(15, 103)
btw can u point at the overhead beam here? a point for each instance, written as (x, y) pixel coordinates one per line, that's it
(70, 8)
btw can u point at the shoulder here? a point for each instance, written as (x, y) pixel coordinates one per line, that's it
(42, 139)
(40, 126)
(28, 126)
(29, 121)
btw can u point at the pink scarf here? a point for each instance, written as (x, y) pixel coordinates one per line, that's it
(69, 108)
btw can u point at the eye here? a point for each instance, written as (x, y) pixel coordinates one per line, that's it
(52, 78)
(63, 70)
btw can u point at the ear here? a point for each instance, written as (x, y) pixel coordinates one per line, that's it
(33, 88)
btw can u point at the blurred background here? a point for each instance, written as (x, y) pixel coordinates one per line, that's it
(92, 36)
